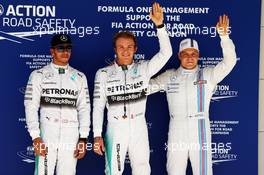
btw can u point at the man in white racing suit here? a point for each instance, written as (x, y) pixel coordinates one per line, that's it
(189, 90)
(60, 94)
(121, 88)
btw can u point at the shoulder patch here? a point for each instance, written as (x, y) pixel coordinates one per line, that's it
(39, 71)
(78, 73)
(104, 70)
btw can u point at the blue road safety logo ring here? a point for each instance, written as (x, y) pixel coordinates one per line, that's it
(1, 9)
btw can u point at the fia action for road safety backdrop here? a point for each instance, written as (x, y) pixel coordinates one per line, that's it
(25, 33)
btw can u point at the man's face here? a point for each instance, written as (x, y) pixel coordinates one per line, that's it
(189, 58)
(61, 54)
(125, 49)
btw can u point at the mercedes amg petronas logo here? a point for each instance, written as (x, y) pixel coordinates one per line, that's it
(1, 9)
(173, 78)
(63, 38)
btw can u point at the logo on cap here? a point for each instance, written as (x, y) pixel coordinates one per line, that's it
(63, 38)
(188, 43)
(184, 44)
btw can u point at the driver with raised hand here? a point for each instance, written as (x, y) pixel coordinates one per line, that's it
(189, 90)
(121, 88)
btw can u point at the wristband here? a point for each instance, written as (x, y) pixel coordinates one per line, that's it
(83, 140)
(160, 26)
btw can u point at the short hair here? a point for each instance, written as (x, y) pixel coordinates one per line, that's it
(124, 34)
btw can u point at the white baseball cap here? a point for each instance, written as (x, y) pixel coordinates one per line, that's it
(188, 43)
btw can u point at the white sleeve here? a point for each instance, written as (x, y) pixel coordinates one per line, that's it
(222, 69)
(165, 52)
(84, 109)
(99, 102)
(32, 103)
(159, 83)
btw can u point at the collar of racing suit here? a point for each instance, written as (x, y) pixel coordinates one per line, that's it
(188, 71)
(120, 67)
(56, 67)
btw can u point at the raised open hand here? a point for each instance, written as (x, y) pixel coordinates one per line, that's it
(222, 25)
(156, 14)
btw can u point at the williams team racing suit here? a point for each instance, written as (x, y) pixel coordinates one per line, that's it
(123, 92)
(61, 94)
(188, 94)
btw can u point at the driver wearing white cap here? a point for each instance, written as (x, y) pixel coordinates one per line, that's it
(189, 90)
